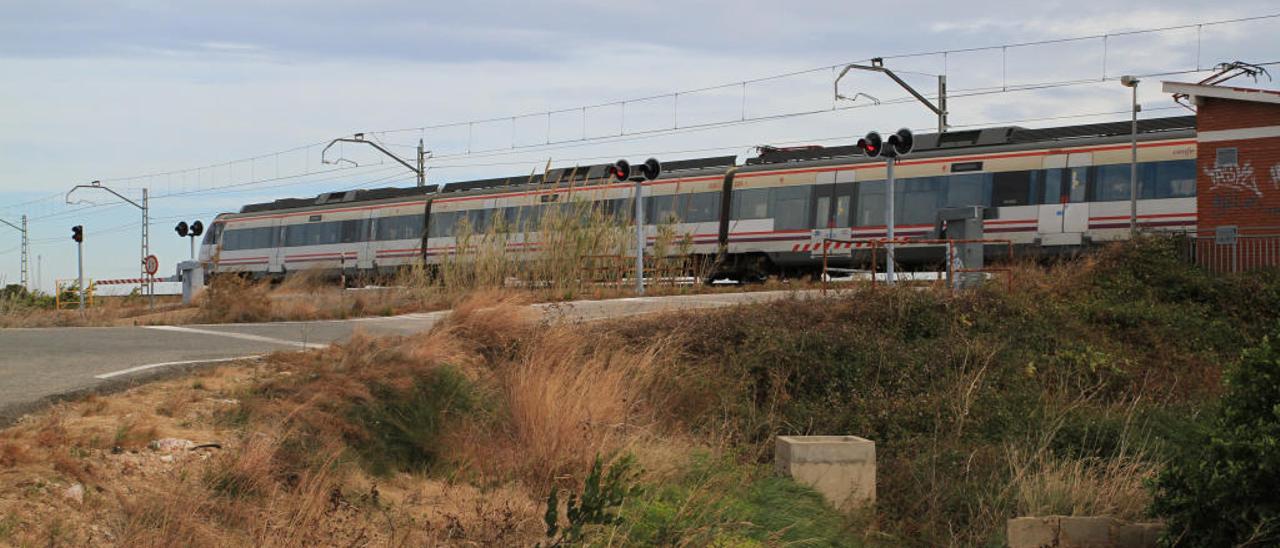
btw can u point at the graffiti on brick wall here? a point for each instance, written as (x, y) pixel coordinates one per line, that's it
(1275, 177)
(1235, 178)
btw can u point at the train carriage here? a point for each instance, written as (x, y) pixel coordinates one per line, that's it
(1047, 190)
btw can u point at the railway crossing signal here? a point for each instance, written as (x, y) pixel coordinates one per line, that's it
(871, 145)
(900, 143)
(77, 234)
(194, 230)
(622, 170)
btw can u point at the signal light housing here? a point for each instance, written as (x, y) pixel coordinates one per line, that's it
(622, 170)
(197, 228)
(872, 145)
(902, 141)
(181, 229)
(77, 233)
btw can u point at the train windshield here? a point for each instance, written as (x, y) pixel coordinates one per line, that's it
(211, 237)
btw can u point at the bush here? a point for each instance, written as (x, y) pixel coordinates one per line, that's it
(1223, 489)
(720, 503)
(402, 428)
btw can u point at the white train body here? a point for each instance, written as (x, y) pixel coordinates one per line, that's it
(1048, 194)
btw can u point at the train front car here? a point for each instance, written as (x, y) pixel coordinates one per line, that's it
(210, 244)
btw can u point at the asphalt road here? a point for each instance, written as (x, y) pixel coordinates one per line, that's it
(40, 365)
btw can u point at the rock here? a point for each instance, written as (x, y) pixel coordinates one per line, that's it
(75, 493)
(166, 458)
(171, 444)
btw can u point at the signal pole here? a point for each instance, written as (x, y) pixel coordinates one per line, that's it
(889, 220)
(640, 239)
(25, 255)
(648, 171)
(77, 234)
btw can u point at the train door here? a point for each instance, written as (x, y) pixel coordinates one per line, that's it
(363, 242)
(276, 252)
(1064, 210)
(832, 207)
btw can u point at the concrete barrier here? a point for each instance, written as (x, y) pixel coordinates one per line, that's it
(1081, 532)
(841, 468)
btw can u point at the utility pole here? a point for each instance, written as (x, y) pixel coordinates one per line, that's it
(422, 165)
(25, 254)
(148, 280)
(147, 284)
(1132, 83)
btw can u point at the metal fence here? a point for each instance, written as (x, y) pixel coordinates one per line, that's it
(1241, 253)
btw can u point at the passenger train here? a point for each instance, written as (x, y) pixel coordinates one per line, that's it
(1046, 190)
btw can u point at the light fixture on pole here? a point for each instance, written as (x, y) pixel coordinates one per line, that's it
(1132, 83)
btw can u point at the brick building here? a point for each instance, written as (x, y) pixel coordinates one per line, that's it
(1238, 172)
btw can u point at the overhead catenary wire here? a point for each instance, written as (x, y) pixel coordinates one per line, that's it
(943, 53)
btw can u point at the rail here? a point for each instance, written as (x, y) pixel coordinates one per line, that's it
(951, 270)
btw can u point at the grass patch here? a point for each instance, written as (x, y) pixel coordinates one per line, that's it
(720, 502)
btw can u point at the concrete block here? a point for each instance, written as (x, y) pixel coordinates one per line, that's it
(1085, 532)
(841, 468)
(1032, 532)
(1137, 535)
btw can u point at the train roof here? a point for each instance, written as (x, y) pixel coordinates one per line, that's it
(950, 142)
(988, 137)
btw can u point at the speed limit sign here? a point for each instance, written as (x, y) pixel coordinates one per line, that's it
(151, 264)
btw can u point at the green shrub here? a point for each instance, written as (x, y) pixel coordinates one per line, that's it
(401, 428)
(603, 492)
(1223, 487)
(720, 503)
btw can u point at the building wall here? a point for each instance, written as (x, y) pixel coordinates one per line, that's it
(1247, 194)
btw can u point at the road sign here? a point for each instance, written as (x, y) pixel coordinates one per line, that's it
(151, 264)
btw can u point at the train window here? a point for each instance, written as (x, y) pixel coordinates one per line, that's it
(248, 238)
(660, 209)
(1011, 188)
(1052, 186)
(442, 224)
(870, 203)
(752, 203)
(478, 220)
(967, 190)
(1077, 184)
(790, 207)
(821, 212)
(401, 227)
(1172, 179)
(701, 207)
(916, 200)
(353, 231)
(1111, 183)
(211, 237)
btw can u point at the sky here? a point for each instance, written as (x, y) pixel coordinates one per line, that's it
(212, 105)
